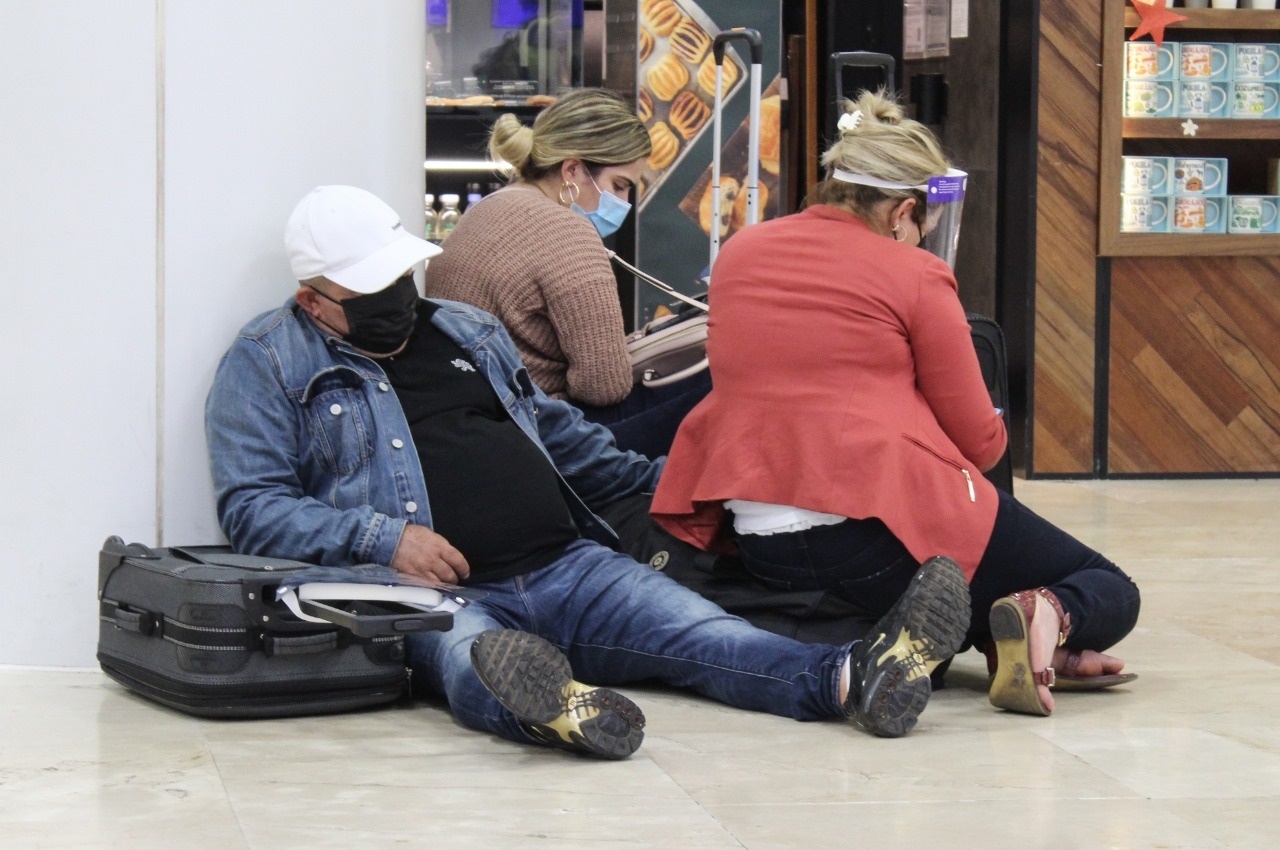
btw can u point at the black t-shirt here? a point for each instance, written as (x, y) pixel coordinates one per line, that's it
(493, 493)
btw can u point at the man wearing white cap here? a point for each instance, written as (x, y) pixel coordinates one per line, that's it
(332, 418)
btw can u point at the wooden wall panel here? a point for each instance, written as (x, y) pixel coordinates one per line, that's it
(1195, 365)
(1066, 237)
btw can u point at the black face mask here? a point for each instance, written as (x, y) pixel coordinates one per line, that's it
(380, 322)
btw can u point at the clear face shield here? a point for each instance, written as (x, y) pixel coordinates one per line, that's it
(944, 201)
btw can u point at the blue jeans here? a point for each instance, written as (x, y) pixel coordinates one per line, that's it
(619, 621)
(646, 421)
(861, 561)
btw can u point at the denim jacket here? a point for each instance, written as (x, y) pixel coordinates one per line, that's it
(311, 454)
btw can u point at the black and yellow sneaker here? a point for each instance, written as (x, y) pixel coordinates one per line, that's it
(889, 669)
(532, 679)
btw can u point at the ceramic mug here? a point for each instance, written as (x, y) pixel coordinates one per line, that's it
(1195, 214)
(1198, 176)
(1201, 60)
(1252, 214)
(1144, 175)
(1255, 62)
(1253, 100)
(1225, 4)
(1199, 99)
(1148, 99)
(1146, 60)
(1144, 213)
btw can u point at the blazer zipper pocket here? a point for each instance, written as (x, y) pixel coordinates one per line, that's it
(968, 479)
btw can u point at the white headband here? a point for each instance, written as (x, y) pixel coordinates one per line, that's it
(868, 180)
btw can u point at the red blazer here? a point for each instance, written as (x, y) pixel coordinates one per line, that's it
(844, 380)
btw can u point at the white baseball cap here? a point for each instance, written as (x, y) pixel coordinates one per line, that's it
(351, 237)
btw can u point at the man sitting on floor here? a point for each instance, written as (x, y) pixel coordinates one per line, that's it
(332, 419)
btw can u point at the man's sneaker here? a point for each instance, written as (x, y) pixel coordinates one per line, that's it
(532, 679)
(890, 668)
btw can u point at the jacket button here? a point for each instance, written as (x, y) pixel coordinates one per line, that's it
(382, 385)
(335, 409)
(411, 507)
(397, 443)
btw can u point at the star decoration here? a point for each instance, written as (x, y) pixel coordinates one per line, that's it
(1155, 17)
(1189, 127)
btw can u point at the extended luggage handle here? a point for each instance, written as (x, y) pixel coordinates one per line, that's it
(855, 59)
(718, 45)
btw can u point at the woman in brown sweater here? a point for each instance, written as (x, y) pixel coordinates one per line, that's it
(531, 254)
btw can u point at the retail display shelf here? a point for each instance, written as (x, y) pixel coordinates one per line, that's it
(1205, 128)
(1184, 244)
(1215, 19)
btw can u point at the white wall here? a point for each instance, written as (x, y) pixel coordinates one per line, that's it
(151, 152)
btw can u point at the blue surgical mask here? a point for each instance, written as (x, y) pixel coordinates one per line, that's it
(608, 215)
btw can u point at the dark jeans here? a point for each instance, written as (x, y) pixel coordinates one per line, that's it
(646, 421)
(864, 563)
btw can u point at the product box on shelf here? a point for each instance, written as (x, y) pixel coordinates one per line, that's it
(1252, 62)
(1146, 60)
(1255, 100)
(1204, 60)
(1253, 214)
(1198, 176)
(1145, 213)
(1145, 175)
(1149, 98)
(1202, 99)
(1199, 214)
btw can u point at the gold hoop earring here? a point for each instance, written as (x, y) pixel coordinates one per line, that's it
(894, 231)
(572, 189)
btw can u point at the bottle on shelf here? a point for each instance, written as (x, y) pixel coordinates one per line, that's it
(431, 218)
(449, 216)
(473, 194)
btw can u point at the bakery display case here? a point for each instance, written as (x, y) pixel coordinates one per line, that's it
(501, 52)
(486, 57)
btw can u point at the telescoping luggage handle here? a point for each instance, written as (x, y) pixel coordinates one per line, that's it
(855, 59)
(722, 39)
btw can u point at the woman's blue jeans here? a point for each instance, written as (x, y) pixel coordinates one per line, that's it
(619, 621)
(862, 562)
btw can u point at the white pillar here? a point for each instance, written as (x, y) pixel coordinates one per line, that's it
(152, 151)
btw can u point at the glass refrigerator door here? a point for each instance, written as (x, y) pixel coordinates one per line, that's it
(501, 52)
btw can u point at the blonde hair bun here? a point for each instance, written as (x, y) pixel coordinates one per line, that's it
(511, 141)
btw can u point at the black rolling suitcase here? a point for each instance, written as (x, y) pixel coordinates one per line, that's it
(988, 342)
(206, 631)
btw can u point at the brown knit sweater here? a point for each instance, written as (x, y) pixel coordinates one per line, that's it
(543, 271)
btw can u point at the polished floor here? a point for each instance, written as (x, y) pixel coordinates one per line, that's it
(1186, 757)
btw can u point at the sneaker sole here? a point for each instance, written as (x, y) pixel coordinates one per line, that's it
(530, 678)
(927, 626)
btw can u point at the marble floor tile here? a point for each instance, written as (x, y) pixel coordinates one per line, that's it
(1187, 757)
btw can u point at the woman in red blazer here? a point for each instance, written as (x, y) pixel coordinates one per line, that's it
(843, 441)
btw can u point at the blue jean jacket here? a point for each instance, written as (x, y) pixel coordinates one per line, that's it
(312, 458)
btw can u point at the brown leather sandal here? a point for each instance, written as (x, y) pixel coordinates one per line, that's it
(1014, 685)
